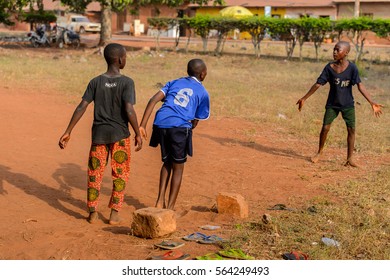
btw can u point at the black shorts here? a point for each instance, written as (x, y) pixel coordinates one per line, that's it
(175, 143)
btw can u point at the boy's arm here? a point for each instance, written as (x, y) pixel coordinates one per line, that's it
(148, 111)
(194, 123)
(77, 114)
(312, 90)
(132, 116)
(376, 107)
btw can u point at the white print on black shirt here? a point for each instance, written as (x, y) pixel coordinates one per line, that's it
(110, 85)
(343, 83)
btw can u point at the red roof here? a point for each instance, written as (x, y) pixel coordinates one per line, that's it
(276, 3)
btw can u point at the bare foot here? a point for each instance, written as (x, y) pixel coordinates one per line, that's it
(114, 218)
(93, 217)
(315, 158)
(350, 162)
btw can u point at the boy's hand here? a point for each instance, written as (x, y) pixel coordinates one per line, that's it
(377, 109)
(138, 143)
(64, 140)
(300, 104)
(143, 133)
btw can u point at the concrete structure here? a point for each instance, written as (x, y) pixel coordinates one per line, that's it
(372, 8)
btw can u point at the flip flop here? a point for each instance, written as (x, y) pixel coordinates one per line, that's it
(195, 236)
(212, 239)
(237, 254)
(211, 256)
(295, 255)
(171, 255)
(169, 245)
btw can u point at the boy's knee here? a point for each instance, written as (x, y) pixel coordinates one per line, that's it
(326, 127)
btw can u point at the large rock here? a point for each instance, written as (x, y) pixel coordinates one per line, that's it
(153, 222)
(232, 204)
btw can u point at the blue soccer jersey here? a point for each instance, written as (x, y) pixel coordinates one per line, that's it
(185, 99)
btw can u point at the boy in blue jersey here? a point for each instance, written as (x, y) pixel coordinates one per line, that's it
(341, 75)
(185, 102)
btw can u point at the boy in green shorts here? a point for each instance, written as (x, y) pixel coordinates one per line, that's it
(341, 75)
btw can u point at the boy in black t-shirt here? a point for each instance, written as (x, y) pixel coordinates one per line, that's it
(113, 95)
(341, 75)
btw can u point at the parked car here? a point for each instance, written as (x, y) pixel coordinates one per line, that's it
(79, 23)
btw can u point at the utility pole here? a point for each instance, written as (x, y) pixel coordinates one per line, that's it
(357, 8)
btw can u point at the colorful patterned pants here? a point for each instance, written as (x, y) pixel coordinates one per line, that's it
(120, 169)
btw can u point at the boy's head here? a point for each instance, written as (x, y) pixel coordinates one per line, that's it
(197, 68)
(115, 54)
(341, 50)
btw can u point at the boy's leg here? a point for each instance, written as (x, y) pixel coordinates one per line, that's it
(349, 118)
(351, 147)
(165, 174)
(96, 163)
(177, 175)
(323, 135)
(120, 169)
(329, 116)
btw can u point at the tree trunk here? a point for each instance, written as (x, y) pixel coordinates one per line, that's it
(204, 40)
(105, 33)
(357, 9)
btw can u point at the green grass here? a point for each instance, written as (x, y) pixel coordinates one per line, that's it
(360, 223)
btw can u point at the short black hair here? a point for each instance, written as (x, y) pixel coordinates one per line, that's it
(195, 67)
(345, 44)
(112, 52)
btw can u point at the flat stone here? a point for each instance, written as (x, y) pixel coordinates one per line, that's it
(232, 204)
(153, 222)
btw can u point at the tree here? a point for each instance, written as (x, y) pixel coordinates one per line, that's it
(381, 27)
(161, 24)
(107, 6)
(201, 24)
(13, 8)
(285, 29)
(223, 25)
(257, 28)
(356, 30)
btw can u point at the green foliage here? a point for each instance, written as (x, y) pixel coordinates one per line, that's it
(223, 25)
(39, 17)
(381, 27)
(257, 27)
(162, 23)
(11, 7)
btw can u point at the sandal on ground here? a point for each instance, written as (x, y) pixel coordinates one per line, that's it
(212, 239)
(295, 255)
(169, 244)
(237, 254)
(171, 255)
(195, 236)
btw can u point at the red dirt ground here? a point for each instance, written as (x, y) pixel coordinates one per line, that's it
(43, 188)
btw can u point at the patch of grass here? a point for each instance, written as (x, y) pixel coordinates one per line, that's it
(359, 220)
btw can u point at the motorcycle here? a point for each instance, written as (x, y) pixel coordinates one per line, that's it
(67, 37)
(38, 38)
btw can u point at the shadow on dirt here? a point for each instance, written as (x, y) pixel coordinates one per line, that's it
(53, 197)
(256, 146)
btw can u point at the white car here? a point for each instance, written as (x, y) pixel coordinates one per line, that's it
(81, 24)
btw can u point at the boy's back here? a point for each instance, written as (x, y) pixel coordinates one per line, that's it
(185, 99)
(110, 95)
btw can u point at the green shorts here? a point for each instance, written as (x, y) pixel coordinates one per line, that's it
(348, 115)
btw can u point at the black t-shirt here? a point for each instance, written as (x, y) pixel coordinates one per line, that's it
(110, 95)
(340, 92)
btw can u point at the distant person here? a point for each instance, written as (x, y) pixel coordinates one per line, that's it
(341, 75)
(185, 102)
(114, 96)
